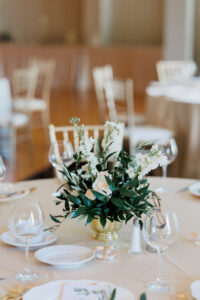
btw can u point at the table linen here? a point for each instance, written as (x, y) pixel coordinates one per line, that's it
(181, 261)
(177, 107)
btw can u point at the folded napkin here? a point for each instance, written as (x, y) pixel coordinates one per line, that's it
(90, 291)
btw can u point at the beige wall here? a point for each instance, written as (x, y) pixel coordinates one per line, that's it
(33, 20)
(197, 34)
(137, 21)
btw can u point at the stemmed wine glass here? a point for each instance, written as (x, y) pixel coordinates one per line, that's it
(2, 169)
(170, 150)
(159, 232)
(26, 221)
(61, 152)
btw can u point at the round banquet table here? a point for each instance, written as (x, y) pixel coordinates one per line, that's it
(181, 261)
(177, 107)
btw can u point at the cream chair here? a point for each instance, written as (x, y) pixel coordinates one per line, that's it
(101, 76)
(170, 71)
(46, 74)
(24, 87)
(119, 90)
(69, 134)
(13, 125)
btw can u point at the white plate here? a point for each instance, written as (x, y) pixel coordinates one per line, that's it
(195, 288)
(67, 289)
(9, 188)
(48, 238)
(194, 189)
(65, 256)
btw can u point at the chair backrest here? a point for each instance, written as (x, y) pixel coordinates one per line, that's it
(96, 131)
(5, 100)
(24, 82)
(100, 76)
(169, 71)
(120, 90)
(46, 72)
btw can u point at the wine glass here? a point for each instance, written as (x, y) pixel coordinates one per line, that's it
(26, 221)
(170, 150)
(2, 169)
(159, 232)
(61, 152)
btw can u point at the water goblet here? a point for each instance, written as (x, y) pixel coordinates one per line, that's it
(26, 221)
(2, 169)
(159, 232)
(61, 152)
(170, 150)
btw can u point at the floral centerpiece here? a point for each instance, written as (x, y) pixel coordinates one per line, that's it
(106, 184)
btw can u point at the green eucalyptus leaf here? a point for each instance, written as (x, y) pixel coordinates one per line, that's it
(74, 199)
(111, 185)
(54, 219)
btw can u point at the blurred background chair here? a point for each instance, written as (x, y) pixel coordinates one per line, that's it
(14, 127)
(101, 75)
(170, 71)
(24, 90)
(122, 91)
(46, 69)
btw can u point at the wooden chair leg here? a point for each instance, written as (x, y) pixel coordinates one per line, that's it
(46, 122)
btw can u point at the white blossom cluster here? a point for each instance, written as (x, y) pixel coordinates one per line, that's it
(112, 137)
(147, 162)
(86, 146)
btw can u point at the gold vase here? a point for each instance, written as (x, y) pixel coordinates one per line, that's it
(109, 232)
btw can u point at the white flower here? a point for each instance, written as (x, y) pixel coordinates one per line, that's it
(150, 161)
(117, 164)
(90, 195)
(86, 145)
(112, 137)
(100, 185)
(131, 172)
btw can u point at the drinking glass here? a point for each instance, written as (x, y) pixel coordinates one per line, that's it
(61, 152)
(26, 221)
(159, 232)
(170, 150)
(2, 169)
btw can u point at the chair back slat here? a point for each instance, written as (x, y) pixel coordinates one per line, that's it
(46, 72)
(170, 71)
(90, 130)
(100, 76)
(120, 90)
(24, 82)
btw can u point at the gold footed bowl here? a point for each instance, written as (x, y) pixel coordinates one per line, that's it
(109, 232)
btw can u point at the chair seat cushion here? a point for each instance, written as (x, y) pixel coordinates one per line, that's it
(30, 105)
(19, 120)
(16, 119)
(148, 133)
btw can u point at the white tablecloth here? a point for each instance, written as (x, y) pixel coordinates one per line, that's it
(177, 107)
(130, 271)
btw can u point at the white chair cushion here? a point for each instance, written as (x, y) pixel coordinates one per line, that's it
(148, 133)
(31, 105)
(17, 120)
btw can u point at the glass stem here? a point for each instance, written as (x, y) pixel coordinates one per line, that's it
(164, 171)
(27, 269)
(160, 267)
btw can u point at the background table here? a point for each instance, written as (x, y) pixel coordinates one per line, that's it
(177, 107)
(130, 271)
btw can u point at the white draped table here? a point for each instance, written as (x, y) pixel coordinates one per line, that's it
(181, 262)
(177, 107)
